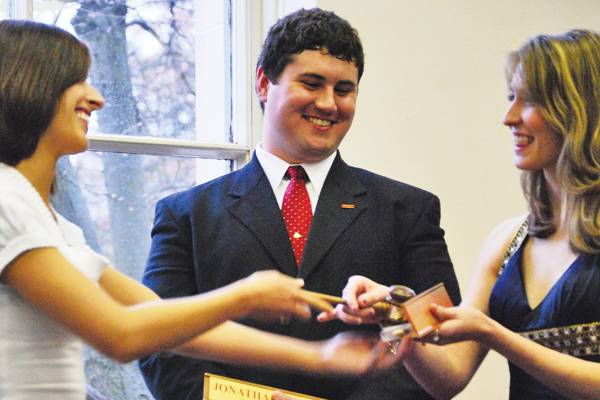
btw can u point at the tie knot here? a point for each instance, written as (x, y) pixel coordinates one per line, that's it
(297, 172)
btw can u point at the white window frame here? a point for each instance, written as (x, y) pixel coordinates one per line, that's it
(254, 19)
(21, 9)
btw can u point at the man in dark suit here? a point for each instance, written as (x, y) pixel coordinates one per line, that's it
(211, 235)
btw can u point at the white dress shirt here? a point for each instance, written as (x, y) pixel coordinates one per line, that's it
(275, 169)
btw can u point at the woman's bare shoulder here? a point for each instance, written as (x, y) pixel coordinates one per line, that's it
(497, 241)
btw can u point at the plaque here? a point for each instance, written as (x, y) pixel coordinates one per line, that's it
(218, 387)
(416, 309)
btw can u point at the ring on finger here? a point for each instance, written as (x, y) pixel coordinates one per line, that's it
(436, 336)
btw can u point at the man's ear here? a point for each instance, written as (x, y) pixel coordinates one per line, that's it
(262, 85)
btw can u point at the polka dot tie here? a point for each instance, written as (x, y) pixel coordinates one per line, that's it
(296, 210)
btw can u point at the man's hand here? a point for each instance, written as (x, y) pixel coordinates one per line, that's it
(360, 293)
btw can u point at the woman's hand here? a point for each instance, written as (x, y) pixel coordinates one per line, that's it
(460, 323)
(275, 295)
(360, 293)
(277, 395)
(352, 353)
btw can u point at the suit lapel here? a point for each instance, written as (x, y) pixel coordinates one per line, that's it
(342, 199)
(252, 202)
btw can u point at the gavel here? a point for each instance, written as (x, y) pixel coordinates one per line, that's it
(388, 310)
(403, 312)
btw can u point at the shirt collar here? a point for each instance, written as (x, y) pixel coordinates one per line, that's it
(275, 168)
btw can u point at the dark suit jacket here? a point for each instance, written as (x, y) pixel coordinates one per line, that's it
(226, 229)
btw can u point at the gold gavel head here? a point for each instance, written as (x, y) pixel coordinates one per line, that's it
(390, 310)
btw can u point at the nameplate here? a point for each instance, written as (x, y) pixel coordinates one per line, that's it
(218, 387)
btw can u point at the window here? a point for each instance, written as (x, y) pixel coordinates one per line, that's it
(177, 77)
(166, 70)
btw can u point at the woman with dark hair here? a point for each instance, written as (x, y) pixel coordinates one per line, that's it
(537, 302)
(55, 290)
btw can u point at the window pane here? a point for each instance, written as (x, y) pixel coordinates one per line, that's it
(145, 63)
(111, 197)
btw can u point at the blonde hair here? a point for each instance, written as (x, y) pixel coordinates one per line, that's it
(561, 75)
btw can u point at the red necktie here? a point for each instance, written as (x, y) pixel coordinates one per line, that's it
(296, 210)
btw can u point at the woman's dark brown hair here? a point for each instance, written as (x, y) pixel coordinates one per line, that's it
(38, 63)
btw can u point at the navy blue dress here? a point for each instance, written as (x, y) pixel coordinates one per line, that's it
(574, 299)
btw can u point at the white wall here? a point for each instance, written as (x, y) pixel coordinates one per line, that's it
(430, 109)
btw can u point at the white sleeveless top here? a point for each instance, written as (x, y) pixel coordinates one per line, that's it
(39, 359)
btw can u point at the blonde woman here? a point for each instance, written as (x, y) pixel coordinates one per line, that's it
(553, 278)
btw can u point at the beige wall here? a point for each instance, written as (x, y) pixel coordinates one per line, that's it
(430, 109)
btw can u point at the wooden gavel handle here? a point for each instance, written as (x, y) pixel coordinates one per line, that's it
(334, 300)
(380, 306)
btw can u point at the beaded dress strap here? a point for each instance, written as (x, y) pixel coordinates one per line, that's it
(514, 245)
(576, 340)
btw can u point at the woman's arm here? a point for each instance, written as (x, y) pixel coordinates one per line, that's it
(346, 353)
(443, 371)
(109, 317)
(343, 354)
(570, 376)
